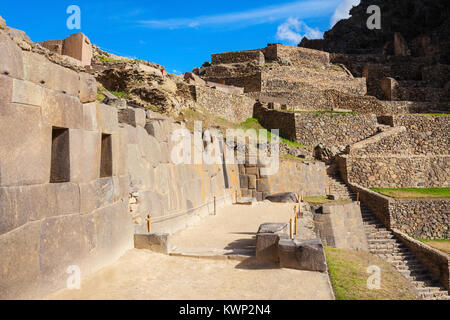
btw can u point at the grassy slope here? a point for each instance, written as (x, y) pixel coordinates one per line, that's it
(414, 192)
(442, 244)
(348, 273)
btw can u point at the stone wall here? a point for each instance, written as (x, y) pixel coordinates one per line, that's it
(78, 178)
(255, 56)
(311, 128)
(421, 218)
(418, 218)
(77, 46)
(235, 108)
(333, 128)
(274, 119)
(435, 261)
(63, 180)
(175, 196)
(397, 171)
(307, 178)
(296, 55)
(341, 226)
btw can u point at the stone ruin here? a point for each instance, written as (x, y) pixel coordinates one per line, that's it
(102, 168)
(77, 46)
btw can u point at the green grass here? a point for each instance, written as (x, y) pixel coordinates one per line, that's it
(319, 200)
(414, 192)
(252, 123)
(348, 274)
(121, 94)
(110, 60)
(440, 244)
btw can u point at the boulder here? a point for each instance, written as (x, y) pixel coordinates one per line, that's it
(281, 228)
(400, 45)
(157, 242)
(288, 197)
(327, 153)
(267, 246)
(307, 255)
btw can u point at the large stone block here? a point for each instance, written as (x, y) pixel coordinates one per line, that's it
(25, 146)
(262, 185)
(28, 93)
(61, 110)
(267, 246)
(39, 70)
(6, 83)
(11, 60)
(157, 242)
(149, 146)
(141, 117)
(107, 118)
(62, 199)
(85, 155)
(90, 116)
(307, 255)
(88, 88)
(96, 195)
(19, 263)
(287, 197)
(243, 181)
(114, 229)
(21, 205)
(63, 244)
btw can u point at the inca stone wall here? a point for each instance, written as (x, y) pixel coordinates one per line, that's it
(421, 218)
(255, 56)
(397, 171)
(63, 192)
(311, 128)
(235, 108)
(78, 178)
(341, 226)
(418, 218)
(307, 178)
(333, 128)
(174, 195)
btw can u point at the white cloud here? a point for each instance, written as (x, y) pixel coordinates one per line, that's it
(343, 11)
(293, 30)
(303, 9)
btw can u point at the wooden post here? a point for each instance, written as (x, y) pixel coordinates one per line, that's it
(290, 229)
(296, 224)
(357, 197)
(149, 223)
(236, 193)
(329, 190)
(302, 196)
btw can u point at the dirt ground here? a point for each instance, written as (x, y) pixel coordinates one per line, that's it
(234, 228)
(144, 275)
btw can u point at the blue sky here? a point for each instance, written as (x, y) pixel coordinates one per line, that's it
(178, 34)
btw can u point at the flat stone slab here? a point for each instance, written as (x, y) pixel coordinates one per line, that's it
(287, 197)
(157, 242)
(273, 228)
(307, 255)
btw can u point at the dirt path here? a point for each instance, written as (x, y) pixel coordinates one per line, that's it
(234, 227)
(144, 275)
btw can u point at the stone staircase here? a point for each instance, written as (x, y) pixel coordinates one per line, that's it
(385, 245)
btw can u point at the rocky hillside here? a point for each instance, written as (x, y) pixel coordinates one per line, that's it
(423, 23)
